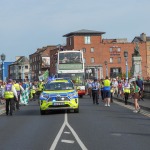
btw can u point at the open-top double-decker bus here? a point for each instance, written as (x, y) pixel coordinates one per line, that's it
(70, 64)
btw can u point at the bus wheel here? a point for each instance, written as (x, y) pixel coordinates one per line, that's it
(80, 96)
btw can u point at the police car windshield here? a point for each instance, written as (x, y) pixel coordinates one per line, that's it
(59, 86)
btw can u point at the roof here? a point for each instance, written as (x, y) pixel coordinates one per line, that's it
(140, 40)
(84, 32)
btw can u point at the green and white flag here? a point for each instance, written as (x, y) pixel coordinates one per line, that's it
(46, 75)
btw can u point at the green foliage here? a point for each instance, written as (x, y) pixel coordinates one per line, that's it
(123, 75)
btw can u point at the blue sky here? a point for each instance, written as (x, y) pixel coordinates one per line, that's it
(26, 25)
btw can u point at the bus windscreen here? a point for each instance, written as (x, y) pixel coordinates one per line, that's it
(70, 57)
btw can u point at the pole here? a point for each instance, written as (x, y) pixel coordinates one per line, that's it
(3, 71)
(22, 73)
(126, 68)
(106, 71)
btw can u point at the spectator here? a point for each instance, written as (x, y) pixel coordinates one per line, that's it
(1, 91)
(136, 97)
(140, 84)
(115, 86)
(126, 89)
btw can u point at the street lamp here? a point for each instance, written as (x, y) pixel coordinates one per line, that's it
(3, 59)
(126, 59)
(105, 62)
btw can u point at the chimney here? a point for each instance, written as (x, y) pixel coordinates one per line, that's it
(143, 37)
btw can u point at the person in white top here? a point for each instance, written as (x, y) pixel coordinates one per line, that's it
(115, 86)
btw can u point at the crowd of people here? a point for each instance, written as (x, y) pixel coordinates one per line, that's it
(14, 93)
(109, 87)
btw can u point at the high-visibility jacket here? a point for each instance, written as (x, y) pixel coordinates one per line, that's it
(126, 88)
(106, 84)
(17, 87)
(40, 86)
(33, 89)
(8, 92)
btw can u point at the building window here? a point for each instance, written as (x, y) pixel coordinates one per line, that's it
(26, 67)
(119, 49)
(114, 72)
(92, 60)
(87, 40)
(84, 50)
(119, 59)
(110, 49)
(92, 49)
(111, 59)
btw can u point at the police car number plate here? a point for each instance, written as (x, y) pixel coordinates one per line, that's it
(58, 103)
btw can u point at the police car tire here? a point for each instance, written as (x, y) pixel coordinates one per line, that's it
(42, 112)
(76, 110)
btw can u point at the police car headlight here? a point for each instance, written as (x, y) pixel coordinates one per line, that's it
(44, 96)
(72, 95)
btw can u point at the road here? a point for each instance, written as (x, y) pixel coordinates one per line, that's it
(95, 127)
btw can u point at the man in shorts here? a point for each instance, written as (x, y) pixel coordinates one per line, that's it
(106, 91)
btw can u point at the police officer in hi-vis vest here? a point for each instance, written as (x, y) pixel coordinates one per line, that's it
(19, 89)
(9, 94)
(39, 88)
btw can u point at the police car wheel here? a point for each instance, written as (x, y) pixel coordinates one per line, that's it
(42, 112)
(76, 110)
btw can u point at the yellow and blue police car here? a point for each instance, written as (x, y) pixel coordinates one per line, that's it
(59, 94)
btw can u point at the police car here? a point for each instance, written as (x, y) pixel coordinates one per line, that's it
(59, 94)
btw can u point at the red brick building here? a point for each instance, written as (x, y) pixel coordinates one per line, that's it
(37, 61)
(98, 50)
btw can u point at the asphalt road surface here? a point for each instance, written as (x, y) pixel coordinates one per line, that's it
(95, 127)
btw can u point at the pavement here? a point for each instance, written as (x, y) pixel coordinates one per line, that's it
(144, 104)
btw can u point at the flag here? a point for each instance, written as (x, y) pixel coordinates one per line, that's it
(46, 75)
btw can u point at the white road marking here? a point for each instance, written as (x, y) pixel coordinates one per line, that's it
(67, 132)
(54, 144)
(67, 141)
(57, 137)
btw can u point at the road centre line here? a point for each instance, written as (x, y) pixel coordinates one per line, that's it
(67, 141)
(54, 144)
(67, 132)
